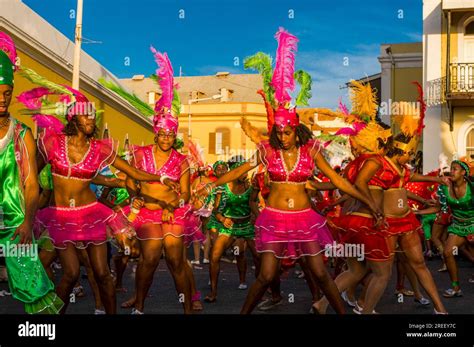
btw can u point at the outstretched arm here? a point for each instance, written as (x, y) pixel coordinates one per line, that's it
(232, 175)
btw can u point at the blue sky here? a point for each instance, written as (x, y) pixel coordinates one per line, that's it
(213, 33)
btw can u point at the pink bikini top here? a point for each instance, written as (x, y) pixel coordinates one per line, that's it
(143, 159)
(276, 167)
(53, 148)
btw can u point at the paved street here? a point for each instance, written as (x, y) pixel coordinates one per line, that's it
(163, 298)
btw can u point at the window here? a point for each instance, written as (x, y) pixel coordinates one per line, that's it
(469, 29)
(219, 141)
(470, 144)
(151, 97)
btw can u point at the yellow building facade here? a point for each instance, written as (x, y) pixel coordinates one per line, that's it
(448, 53)
(44, 49)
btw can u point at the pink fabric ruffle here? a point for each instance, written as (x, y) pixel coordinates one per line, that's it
(94, 223)
(291, 234)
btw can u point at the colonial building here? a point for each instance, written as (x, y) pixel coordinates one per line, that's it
(44, 49)
(211, 110)
(448, 61)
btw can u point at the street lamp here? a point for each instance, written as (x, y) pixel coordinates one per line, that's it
(191, 101)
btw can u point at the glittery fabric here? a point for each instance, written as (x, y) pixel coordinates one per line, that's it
(144, 159)
(291, 234)
(82, 225)
(276, 167)
(54, 149)
(27, 279)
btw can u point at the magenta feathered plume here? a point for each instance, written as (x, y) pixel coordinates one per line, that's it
(165, 80)
(356, 128)
(32, 98)
(283, 75)
(343, 108)
(7, 45)
(48, 122)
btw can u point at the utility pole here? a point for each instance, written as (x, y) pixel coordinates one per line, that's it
(77, 46)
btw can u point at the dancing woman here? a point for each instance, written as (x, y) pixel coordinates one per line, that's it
(235, 217)
(76, 220)
(162, 221)
(458, 196)
(391, 174)
(288, 227)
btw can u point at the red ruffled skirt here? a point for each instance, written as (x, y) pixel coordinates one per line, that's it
(357, 229)
(94, 224)
(403, 225)
(291, 234)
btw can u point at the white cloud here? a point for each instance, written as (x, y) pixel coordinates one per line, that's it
(332, 69)
(414, 36)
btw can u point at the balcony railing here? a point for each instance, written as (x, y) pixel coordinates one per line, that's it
(436, 92)
(461, 85)
(462, 78)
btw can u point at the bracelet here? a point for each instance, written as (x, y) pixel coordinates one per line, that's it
(162, 178)
(134, 210)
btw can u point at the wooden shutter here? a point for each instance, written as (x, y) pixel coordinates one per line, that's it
(212, 143)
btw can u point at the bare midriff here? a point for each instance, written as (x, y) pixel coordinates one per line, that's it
(377, 196)
(72, 192)
(155, 193)
(287, 196)
(395, 202)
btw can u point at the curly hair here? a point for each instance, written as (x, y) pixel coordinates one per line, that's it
(303, 135)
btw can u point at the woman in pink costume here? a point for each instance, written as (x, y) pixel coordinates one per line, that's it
(163, 219)
(76, 220)
(288, 227)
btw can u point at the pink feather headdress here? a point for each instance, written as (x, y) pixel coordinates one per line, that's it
(163, 119)
(283, 80)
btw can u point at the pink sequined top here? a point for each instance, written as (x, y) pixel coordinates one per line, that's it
(54, 149)
(276, 167)
(143, 159)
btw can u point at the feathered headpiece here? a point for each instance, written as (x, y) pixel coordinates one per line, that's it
(411, 121)
(7, 59)
(279, 82)
(163, 119)
(364, 130)
(46, 113)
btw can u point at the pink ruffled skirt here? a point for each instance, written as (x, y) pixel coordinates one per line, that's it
(291, 234)
(149, 225)
(193, 231)
(94, 224)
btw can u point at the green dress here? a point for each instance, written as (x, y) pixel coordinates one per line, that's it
(462, 211)
(236, 206)
(27, 278)
(213, 223)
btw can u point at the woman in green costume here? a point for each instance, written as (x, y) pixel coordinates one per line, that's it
(459, 197)
(232, 211)
(19, 195)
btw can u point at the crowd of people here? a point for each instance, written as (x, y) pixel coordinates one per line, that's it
(285, 206)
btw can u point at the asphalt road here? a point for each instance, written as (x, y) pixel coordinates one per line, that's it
(163, 298)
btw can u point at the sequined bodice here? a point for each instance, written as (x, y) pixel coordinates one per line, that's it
(54, 149)
(144, 159)
(276, 166)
